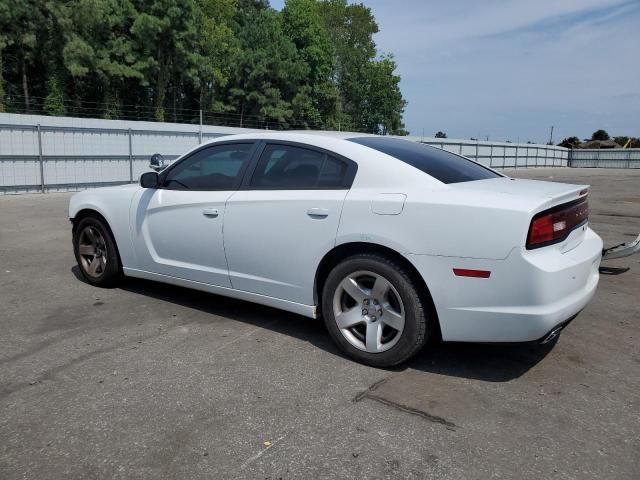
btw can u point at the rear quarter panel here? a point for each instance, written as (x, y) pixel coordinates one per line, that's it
(440, 221)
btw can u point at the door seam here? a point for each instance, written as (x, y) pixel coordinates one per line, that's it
(344, 199)
(224, 237)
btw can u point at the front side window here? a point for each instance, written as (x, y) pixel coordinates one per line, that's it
(219, 167)
(440, 164)
(292, 168)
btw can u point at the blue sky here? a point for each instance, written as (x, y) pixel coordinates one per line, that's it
(509, 69)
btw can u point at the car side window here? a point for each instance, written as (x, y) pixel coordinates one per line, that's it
(293, 168)
(219, 167)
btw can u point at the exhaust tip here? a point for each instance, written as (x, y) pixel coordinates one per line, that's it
(552, 335)
(556, 331)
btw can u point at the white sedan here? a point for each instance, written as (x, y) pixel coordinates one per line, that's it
(392, 242)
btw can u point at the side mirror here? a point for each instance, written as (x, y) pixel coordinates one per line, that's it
(150, 180)
(156, 162)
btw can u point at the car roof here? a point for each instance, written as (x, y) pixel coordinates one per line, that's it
(329, 140)
(293, 135)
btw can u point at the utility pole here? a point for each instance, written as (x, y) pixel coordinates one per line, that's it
(200, 131)
(551, 136)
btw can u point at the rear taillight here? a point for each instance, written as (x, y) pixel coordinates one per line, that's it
(554, 225)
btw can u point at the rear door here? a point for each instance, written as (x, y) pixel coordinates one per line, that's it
(177, 228)
(284, 219)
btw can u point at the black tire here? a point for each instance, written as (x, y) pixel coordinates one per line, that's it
(419, 327)
(111, 273)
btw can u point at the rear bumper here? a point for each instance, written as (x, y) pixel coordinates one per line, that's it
(527, 296)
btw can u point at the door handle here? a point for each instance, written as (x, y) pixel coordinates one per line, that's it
(318, 212)
(211, 212)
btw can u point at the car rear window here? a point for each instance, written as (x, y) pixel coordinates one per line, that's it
(440, 164)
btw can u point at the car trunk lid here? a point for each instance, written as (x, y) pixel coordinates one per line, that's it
(549, 194)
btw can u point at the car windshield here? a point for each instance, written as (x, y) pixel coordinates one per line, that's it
(440, 164)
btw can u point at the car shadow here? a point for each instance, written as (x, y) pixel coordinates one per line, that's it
(291, 324)
(486, 362)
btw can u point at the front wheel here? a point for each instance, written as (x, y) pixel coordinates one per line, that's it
(374, 311)
(96, 252)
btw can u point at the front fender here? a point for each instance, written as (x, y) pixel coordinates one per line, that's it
(114, 204)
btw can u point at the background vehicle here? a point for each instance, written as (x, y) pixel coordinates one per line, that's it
(392, 242)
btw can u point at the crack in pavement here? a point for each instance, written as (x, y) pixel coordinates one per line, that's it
(368, 394)
(372, 388)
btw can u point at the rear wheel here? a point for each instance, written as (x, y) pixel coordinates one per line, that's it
(374, 312)
(96, 252)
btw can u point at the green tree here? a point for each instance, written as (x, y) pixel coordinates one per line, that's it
(622, 141)
(2, 45)
(245, 10)
(440, 134)
(600, 135)
(22, 29)
(302, 23)
(54, 101)
(2, 107)
(358, 74)
(383, 106)
(211, 66)
(4, 17)
(313, 65)
(56, 27)
(351, 28)
(100, 54)
(166, 32)
(268, 71)
(570, 142)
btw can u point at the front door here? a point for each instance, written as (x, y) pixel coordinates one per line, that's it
(177, 228)
(280, 225)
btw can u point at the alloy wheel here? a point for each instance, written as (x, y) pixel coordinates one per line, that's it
(369, 311)
(92, 250)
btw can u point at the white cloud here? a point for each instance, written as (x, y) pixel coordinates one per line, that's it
(418, 24)
(510, 69)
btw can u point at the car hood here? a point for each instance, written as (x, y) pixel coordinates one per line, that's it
(127, 186)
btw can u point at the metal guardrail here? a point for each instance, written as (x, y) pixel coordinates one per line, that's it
(38, 158)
